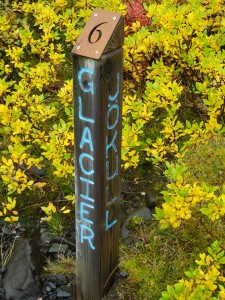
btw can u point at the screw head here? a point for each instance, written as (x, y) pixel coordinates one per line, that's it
(96, 51)
(95, 15)
(114, 18)
(78, 47)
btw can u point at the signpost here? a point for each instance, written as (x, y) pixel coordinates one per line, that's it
(97, 72)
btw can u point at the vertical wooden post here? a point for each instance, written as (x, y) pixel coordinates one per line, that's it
(97, 72)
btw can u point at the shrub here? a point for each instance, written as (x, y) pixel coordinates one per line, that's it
(36, 96)
(174, 79)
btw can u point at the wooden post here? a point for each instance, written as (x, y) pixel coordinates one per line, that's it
(97, 72)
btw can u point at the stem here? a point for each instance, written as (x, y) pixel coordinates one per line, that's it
(209, 231)
(2, 245)
(5, 257)
(42, 203)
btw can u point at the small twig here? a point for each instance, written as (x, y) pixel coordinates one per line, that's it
(42, 203)
(5, 257)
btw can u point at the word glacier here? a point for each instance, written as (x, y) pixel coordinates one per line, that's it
(87, 156)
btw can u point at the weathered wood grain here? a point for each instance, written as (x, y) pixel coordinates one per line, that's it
(97, 115)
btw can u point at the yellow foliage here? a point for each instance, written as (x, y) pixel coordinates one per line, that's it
(8, 211)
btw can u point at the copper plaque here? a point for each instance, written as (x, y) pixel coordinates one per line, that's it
(97, 33)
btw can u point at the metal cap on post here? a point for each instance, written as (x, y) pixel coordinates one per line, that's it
(97, 73)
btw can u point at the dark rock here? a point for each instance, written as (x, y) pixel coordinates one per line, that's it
(124, 231)
(7, 231)
(131, 240)
(55, 256)
(63, 292)
(125, 186)
(150, 197)
(142, 212)
(52, 297)
(60, 280)
(48, 289)
(33, 170)
(45, 238)
(123, 274)
(21, 282)
(2, 293)
(44, 249)
(3, 271)
(44, 292)
(36, 171)
(62, 240)
(58, 248)
(52, 286)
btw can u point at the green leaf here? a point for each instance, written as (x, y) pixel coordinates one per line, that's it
(222, 260)
(159, 213)
(188, 124)
(179, 287)
(183, 193)
(210, 251)
(165, 225)
(205, 211)
(190, 274)
(224, 189)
